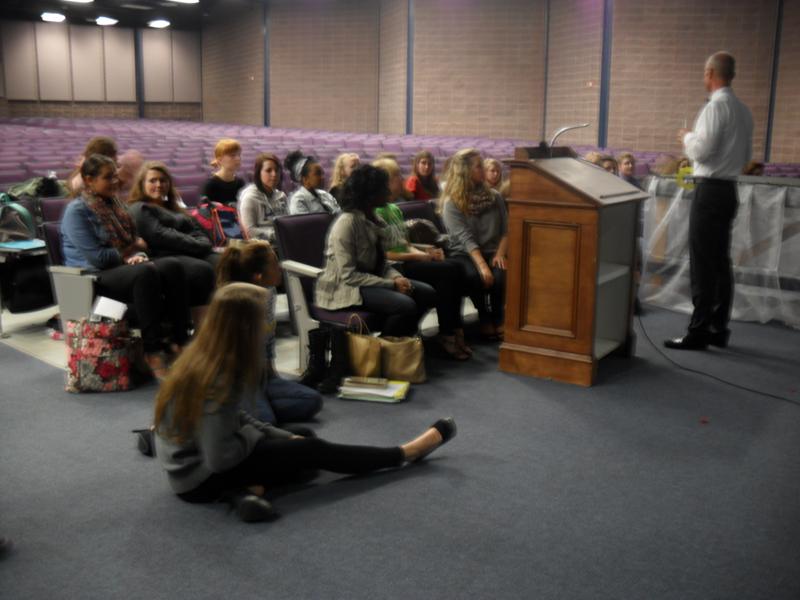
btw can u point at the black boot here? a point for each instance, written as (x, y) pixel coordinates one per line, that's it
(317, 357)
(340, 362)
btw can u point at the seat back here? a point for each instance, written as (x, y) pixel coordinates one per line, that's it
(302, 238)
(421, 209)
(52, 239)
(53, 208)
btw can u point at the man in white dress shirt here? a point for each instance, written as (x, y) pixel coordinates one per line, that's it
(720, 146)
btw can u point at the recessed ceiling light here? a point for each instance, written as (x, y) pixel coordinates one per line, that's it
(187, 1)
(105, 21)
(80, 1)
(159, 23)
(137, 7)
(52, 17)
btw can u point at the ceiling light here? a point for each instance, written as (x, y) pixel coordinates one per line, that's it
(80, 1)
(159, 23)
(187, 1)
(105, 21)
(52, 17)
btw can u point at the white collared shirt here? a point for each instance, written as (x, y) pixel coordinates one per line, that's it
(722, 141)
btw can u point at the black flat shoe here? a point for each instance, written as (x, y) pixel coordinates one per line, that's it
(447, 429)
(687, 342)
(251, 508)
(145, 441)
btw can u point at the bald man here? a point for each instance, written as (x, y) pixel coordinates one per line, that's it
(720, 146)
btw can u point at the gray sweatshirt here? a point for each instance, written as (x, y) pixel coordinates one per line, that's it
(470, 232)
(225, 436)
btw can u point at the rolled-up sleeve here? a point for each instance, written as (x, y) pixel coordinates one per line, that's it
(704, 141)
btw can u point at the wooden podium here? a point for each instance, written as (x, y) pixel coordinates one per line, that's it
(570, 288)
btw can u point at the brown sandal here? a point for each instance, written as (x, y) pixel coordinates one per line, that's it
(450, 346)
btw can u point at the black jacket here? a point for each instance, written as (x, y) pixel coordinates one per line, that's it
(169, 233)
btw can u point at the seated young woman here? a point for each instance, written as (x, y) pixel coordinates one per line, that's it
(169, 230)
(282, 401)
(99, 234)
(224, 185)
(261, 201)
(476, 219)
(345, 164)
(444, 275)
(101, 144)
(494, 176)
(356, 273)
(210, 447)
(422, 184)
(309, 197)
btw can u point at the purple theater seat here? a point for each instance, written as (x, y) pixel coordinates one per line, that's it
(53, 208)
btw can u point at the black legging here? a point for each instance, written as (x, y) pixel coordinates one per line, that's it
(275, 461)
(493, 310)
(447, 278)
(157, 289)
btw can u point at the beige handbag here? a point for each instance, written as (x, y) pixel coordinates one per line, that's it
(365, 350)
(403, 358)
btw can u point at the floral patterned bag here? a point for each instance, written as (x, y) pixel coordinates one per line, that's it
(101, 356)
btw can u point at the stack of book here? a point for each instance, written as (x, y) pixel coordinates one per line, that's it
(373, 389)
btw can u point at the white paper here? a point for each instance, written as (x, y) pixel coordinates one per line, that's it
(106, 307)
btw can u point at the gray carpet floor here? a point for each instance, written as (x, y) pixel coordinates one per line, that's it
(655, 483)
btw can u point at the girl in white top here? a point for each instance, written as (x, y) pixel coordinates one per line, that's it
(310, 197)
(261, 201)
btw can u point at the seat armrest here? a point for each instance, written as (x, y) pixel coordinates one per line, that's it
(62, 270)
(301, 269)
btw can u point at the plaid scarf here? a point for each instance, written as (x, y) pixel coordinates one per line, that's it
(114, 218)
(480, 201)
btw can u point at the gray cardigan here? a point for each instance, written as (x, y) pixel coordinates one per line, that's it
(351, 256)
(257, 211)
(470, 232)
(224, 437)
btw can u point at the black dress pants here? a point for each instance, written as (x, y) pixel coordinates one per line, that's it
(447, 278)
(490, 303)
(157, 290)
(712, 213)
(402, 312)
(275, 461)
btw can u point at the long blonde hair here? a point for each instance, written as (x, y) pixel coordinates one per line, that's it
(223, 359)
(339, 166)
(459, 186)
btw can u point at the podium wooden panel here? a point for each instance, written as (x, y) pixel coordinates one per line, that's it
(569, 297)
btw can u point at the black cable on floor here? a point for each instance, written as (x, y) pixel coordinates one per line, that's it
(709, 375)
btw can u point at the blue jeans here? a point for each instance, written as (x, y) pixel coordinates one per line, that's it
(285, 401)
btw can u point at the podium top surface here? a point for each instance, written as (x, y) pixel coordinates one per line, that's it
(591, 181)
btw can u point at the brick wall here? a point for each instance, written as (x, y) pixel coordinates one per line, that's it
(393, 66)
(786, 126)
(574, 60)
(179, 111)
(479, 67)
(324, 64)
(659, 49)
(233, 66)
(73, 110)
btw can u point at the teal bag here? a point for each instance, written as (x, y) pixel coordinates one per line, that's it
(16, 222)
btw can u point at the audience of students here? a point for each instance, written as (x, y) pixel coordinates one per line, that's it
(476, 219)
(345, 164)
(282, 400)
(309, 175)
(212, 449)
(356, 273)
(261, 201)
(429, 265)
(99, 233)
(169, 230)
(422, 184)
(224, 185)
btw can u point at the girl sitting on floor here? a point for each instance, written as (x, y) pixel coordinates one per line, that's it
(283, 401)
(209, 446)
